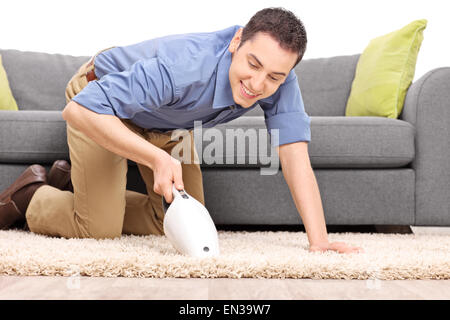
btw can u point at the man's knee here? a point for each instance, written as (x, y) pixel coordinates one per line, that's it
(106, 226)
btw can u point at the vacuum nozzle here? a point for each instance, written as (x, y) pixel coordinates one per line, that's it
(189, 227)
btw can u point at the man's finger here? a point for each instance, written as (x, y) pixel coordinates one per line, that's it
(167, 191)
(178, 177)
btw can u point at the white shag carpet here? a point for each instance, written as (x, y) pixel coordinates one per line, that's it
(259, 254)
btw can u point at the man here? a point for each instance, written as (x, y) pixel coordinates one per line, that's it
(124, 104)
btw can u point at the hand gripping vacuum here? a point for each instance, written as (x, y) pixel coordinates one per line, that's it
(189, 227)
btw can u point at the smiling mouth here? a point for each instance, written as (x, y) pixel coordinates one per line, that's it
(247, 93)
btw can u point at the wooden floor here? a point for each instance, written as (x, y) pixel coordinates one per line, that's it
(13, 287)
(42, 287)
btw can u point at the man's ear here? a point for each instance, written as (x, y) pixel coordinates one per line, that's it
(234, 44)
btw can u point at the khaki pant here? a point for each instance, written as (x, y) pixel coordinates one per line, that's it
(100, 206)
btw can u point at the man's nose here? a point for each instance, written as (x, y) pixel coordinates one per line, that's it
(257, 83)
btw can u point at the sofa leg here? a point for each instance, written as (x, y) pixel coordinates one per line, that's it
(393, 229)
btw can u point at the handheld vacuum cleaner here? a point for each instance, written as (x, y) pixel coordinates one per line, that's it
(189, 227)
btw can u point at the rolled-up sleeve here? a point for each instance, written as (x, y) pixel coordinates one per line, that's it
(285, 112)
(147, 85)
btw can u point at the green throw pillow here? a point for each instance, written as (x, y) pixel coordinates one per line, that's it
(7, 101)
(384, 72)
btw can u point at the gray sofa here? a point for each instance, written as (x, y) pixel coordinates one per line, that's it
(370, 170)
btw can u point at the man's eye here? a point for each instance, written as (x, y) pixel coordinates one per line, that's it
(256, 67)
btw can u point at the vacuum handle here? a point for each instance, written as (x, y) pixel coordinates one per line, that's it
(176, 193)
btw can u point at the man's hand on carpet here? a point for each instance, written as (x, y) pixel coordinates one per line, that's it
(340, 247)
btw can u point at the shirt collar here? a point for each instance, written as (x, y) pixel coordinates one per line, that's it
(223, 96)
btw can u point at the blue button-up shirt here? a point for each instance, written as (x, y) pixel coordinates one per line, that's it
(168, 83)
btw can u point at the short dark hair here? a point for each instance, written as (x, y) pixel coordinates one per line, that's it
(282, 25)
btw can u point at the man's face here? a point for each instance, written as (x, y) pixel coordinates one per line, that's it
(258, 68)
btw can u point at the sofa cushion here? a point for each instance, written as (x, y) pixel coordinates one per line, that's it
(361, 142)
(7, 101)
(228, 144)
(32, 137)
(337, 142)
(38, 80)
(384, 72)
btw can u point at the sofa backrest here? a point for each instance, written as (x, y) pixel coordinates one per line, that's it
(38, 81)
(325, 84)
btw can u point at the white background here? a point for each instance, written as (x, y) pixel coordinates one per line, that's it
(339, 27)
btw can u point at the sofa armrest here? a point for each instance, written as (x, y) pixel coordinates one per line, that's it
(427, 107)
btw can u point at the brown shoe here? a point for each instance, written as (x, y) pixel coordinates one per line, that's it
(59, 176)
(15, 199)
